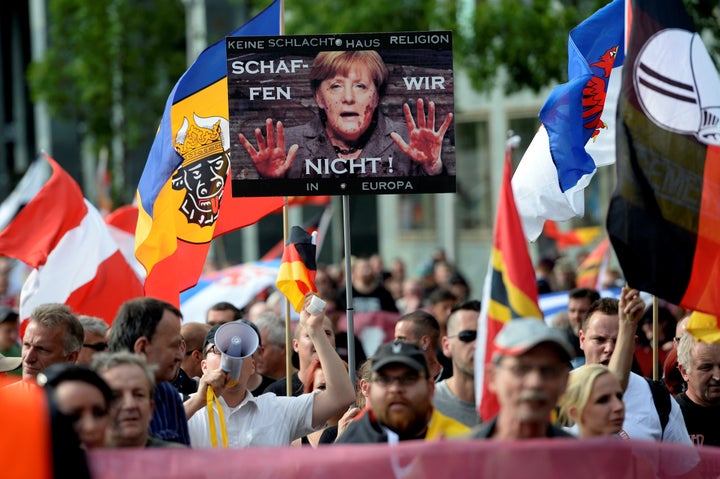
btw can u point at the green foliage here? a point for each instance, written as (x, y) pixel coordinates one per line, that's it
(132, 50)
(139, 45)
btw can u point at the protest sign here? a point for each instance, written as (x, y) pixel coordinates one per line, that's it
(341, 114)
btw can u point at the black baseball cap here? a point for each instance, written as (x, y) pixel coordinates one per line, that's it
(399, 352)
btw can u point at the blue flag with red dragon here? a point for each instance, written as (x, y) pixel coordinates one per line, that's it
(572, 112)
(550, 181)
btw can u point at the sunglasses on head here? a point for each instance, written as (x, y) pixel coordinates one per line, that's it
(467, 336)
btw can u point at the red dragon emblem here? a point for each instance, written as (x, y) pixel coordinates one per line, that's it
(595, 92)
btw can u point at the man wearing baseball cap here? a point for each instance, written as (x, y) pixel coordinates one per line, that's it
(400, 400)
(528, 374)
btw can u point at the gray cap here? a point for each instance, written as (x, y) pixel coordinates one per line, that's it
(9, 363)
(521, 335)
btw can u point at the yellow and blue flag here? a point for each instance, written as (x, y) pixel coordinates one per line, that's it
(184, 194)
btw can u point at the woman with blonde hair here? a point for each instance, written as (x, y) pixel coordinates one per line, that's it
(593, 402)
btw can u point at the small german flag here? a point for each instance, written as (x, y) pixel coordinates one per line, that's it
(296, 277)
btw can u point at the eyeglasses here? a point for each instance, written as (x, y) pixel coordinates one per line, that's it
(212, 349)
(99, 347)
(547, 372)
(404, 381)
(466, 336)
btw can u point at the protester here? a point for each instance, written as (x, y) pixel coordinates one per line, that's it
(455, 396)
(9, 332)
(579, 302)
(186, 381)
(421, 329)
(699, 364)
(400, 401)
(151, 327)
(82, 395)
(671, 374)
(304, 346)
(94, 341)
(369, 294)
(593, 401)
(221, 313)
(132, 383)
(271, 357)
(53, 335)
(269, 420)
(528, 374)
(608, 337)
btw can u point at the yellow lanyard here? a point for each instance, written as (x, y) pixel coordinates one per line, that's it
(212, 400)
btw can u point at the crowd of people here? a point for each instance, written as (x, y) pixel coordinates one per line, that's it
(156, 379)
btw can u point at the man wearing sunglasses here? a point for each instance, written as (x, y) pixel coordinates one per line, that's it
(95, 330)
(455, 396)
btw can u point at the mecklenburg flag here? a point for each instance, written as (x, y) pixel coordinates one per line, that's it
(591, 272)
(510, 290)
(187, 178)
(664, 216)
(550, 180)
(296, 277)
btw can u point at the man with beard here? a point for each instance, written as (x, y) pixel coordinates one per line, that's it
(528, 373)
(151, 327)
(400, 401)
(608, 337)
(699, 364)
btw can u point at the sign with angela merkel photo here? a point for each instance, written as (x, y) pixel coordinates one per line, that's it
(341, 114)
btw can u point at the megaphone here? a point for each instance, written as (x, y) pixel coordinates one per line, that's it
(236, 341)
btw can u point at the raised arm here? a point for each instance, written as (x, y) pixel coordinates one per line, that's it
(339, 392)
(630, 310)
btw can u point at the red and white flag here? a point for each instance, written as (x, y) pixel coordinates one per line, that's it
(76, 261)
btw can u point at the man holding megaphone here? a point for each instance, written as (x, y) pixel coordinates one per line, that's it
(232, 417)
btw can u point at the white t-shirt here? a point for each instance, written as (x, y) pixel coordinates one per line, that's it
(641, 418)
(263, 421)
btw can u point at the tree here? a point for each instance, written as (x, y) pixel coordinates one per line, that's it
(122, 54)
(128, 54)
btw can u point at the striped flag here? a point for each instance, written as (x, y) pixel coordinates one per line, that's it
(582, 236)
(591, 272)
(663, 218)
(510, 290)
(296, 277)
(77, 262)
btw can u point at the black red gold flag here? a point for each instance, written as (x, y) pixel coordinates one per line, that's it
(296, 276)
(664, 216)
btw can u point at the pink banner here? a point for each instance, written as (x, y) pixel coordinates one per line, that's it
(541, 459)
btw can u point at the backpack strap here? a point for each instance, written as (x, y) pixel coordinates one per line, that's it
(661, 398)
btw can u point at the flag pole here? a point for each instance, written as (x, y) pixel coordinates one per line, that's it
(349, 306)
(288, 340)
(655, 338)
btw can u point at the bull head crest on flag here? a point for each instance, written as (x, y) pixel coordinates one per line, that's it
(202, 174)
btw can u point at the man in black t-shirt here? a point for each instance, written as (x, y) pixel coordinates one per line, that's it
(699, 364)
